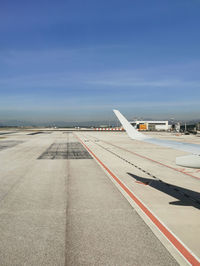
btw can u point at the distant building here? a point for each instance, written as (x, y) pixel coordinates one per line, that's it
(192, 128)
(198, 126)
(151, 125)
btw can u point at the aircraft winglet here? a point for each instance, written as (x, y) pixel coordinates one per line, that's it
(131, 131)
(192, 161)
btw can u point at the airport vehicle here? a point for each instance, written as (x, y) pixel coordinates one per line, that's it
(191, 160)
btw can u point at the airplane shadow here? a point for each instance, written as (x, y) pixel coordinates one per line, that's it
(185, 197)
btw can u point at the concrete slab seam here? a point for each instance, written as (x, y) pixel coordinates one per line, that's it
(196, 201)
(147, 158)
(182, 249)
(149, 174)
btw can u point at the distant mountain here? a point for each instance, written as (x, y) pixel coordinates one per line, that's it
(19, 123)
(13, 123)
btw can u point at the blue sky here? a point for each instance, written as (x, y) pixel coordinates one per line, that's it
(77, 60)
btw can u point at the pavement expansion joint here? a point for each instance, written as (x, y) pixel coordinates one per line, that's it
(177, 192)
(65, 150)
(9, 144)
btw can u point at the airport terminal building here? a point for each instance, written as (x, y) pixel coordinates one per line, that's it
(151, 125)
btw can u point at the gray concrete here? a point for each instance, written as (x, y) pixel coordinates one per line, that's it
(176, 201)
(102, 227)
(67, 211)
(5, 144)
(66, 150)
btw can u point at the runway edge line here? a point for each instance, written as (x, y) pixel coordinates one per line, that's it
(189, 257)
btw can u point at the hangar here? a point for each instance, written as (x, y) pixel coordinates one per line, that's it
(151, 125)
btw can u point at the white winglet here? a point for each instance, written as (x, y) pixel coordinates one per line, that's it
(192, 161)
(131, 131)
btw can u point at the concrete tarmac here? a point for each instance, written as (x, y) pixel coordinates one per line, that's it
(59, 207)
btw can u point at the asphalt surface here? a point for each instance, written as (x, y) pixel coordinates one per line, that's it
(59, 207)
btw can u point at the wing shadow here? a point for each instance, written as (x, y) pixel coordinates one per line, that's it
(185, 197)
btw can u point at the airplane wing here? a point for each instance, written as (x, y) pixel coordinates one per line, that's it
(187, 161)
(131, 131)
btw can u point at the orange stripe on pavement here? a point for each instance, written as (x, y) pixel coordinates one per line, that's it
(176, 243)
(145, 157)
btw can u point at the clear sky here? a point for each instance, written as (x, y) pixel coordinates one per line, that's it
(78, 59)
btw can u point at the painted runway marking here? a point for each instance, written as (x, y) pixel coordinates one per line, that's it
(142, 183)
(162, 164)
(180, 170)
(184, 251)
(175, 189)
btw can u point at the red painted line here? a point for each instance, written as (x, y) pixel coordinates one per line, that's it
(142, 183)
(180, 170)
(176, 243)
(147, 158)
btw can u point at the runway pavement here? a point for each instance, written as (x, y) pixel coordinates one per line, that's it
(60, 205)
